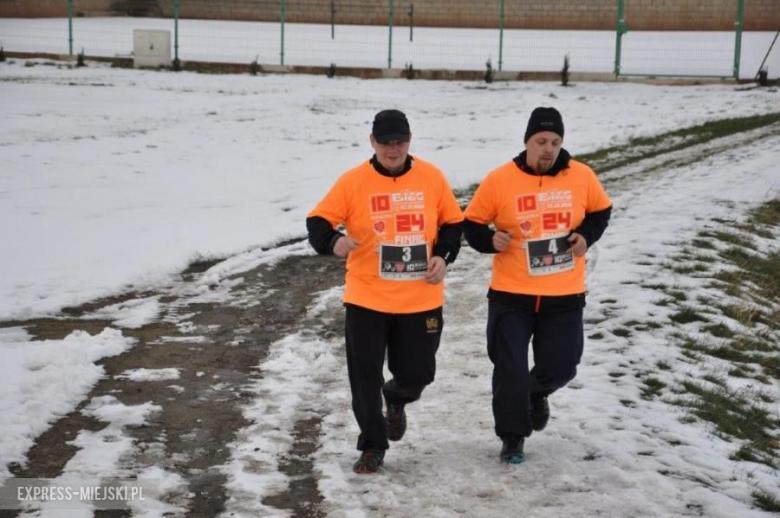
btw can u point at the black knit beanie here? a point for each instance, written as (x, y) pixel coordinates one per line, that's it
(544, 119)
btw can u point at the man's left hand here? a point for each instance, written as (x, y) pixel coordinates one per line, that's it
(577, 244)
(437, 269)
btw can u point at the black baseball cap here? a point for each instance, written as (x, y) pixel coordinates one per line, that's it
(391, 125)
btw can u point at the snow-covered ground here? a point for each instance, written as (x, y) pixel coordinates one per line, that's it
(114, 180)
(607, 451)
(643, 52)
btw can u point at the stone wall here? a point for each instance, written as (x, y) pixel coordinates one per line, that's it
(718, 15)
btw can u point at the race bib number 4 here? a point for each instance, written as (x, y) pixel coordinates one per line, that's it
(549, 256)
(403, 262)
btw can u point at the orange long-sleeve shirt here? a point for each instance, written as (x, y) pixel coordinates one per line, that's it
(396, 221)
(536, 209)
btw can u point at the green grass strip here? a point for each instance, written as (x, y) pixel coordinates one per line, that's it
(641, 148)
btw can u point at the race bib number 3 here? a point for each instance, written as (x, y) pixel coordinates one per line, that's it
(549, 256)
(403, 262)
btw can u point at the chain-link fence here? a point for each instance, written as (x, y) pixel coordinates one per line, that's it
(714, 45)
(760, 49)
(624, 37)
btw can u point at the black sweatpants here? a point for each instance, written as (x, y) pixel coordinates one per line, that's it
(557, 346)
(411, 341)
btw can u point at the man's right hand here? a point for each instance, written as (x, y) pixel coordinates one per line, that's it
(344, 245)
(501, 240)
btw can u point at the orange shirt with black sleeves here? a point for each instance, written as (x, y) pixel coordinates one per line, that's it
(532, 207)
(403, 210)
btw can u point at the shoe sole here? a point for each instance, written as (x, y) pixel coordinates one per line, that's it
(365, 471)
(514, 459)
(395, 438)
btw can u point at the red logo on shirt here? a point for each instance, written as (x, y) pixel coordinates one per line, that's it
(556, 220)
(380, 203)
(379, 226)
(405, 223)
(526, 203)
(526, 227)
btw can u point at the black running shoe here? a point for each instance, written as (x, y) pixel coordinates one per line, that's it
(369, 461)
(512, 450)
(396, 421)
(540, 413)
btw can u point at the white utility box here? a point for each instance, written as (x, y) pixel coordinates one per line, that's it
(151, 48)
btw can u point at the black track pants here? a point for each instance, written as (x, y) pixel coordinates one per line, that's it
(411, 341)
(557, 347)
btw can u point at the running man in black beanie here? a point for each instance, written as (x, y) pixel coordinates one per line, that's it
(547, 210)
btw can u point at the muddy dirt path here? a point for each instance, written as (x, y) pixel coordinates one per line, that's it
(200, 417)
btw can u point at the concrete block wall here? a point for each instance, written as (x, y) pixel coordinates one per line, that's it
(40, 8)
(763, 15)
(55, 8)
(711, 15)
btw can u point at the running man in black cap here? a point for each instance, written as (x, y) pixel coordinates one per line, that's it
(403, 229)
(547, 210)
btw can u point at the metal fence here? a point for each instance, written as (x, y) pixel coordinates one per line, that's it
(341, 39)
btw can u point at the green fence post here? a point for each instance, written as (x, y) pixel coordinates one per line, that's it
(333, 19)
(283, 17)
(501, 37)
(621, 30)
(176, 31)
(738, 42)
(390, 36)
(70, 27)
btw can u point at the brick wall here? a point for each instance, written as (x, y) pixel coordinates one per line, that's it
(530, 14)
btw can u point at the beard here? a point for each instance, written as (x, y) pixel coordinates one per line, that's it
(542, 166)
